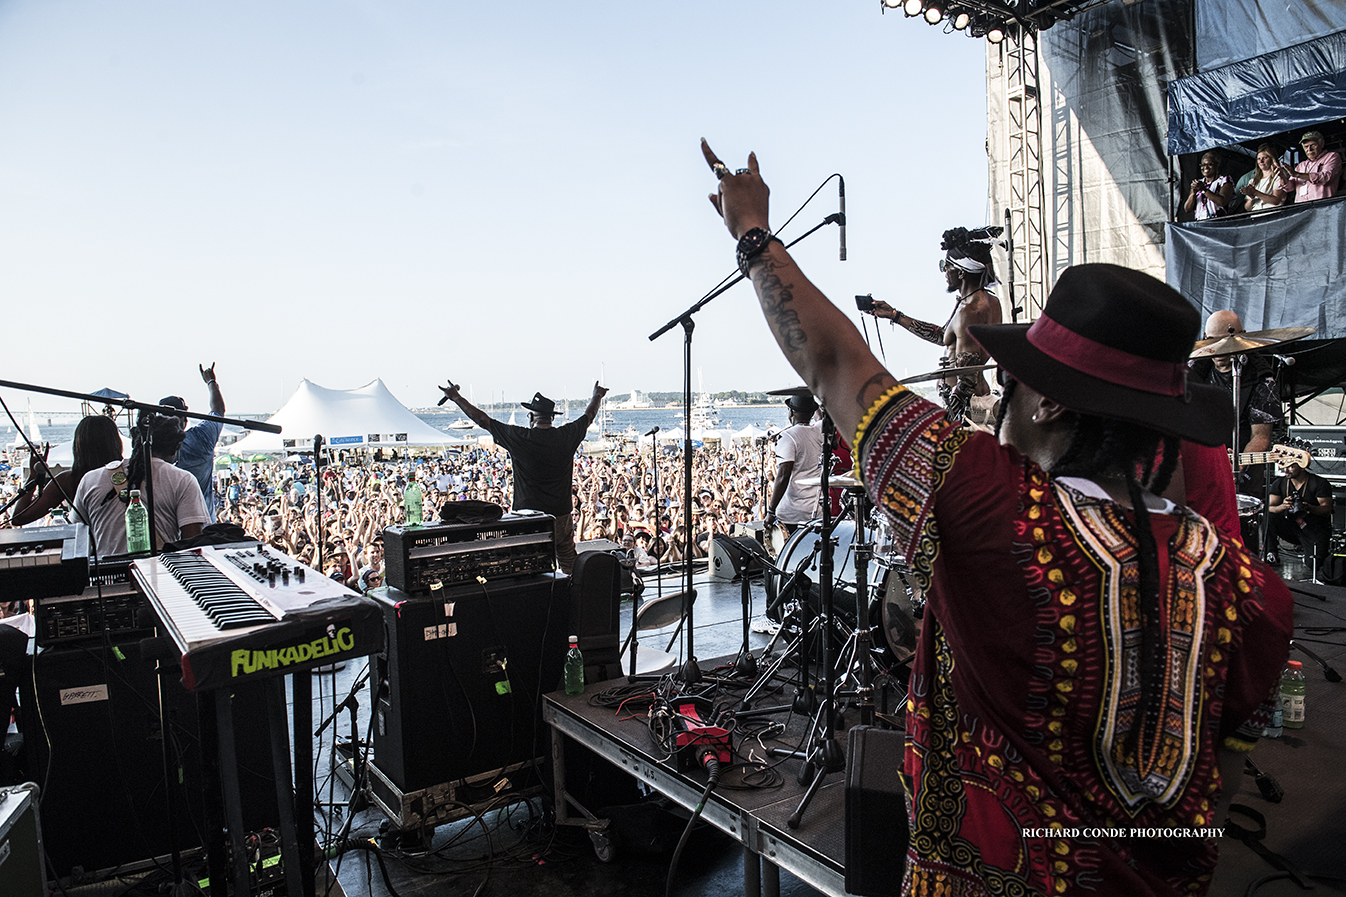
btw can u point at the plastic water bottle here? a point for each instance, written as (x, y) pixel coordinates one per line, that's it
(574, 668)
(1276, 726)
(412, 501)
(137, 526)
(1292, 694)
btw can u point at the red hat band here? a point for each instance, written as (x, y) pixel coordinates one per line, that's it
(1105, 362)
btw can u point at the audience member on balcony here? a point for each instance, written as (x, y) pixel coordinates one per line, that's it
(1212, 192)
(1266, 190)
(1318, 175)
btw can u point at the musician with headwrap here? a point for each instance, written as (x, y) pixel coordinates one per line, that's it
(970, 273)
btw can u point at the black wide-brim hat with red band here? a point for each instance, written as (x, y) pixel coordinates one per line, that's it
(1114, 342)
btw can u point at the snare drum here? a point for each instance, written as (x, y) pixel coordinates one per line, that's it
(1249, 506)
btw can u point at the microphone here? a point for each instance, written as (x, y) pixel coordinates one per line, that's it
(841, 198)
(445, 398)
(652, 432)
(1286, 360)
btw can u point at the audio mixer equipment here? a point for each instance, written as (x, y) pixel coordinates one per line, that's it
(421, 558)
(246, 611)
(40, 561)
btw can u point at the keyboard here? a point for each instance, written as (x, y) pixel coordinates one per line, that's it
(248, 611)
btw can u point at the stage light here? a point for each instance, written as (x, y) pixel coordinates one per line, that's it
(892, 4)
(995, 35)
(933, 14)
(961, 20)
(912, 7)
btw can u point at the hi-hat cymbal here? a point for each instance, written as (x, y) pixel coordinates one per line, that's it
(1248, 341)
(791, 391)
(835, 481)
(947, 372)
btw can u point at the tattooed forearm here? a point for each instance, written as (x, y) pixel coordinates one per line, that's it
(774, 295)
(931, 333)
(873, 388)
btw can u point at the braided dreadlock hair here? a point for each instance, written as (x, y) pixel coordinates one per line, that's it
(166, 436)
(959, 242)
(1101, 445)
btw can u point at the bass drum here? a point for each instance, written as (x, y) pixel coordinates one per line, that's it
(895, 616)
(797, 549)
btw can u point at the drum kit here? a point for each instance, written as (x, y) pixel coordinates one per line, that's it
(1237, 346)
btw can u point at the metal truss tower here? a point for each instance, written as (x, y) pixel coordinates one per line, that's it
(1025, 213)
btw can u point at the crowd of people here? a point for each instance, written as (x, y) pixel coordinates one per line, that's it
(614, 495)
(1270, 183)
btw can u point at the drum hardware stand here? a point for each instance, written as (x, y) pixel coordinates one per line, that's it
(824, 754)
(861, 641)
(690, 672)
(803, 701)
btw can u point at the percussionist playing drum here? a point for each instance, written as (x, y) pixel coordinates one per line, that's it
(799, 454)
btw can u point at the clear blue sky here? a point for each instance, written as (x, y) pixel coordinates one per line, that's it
(508, 194)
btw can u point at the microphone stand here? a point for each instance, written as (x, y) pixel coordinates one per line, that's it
(690, 672)
(317, 499)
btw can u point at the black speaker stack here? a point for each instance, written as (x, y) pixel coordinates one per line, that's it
(462, 678)
(94, 743)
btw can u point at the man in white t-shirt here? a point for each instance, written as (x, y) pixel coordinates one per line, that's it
(179, 508)
(799, 456)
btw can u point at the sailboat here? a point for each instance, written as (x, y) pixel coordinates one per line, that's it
(33, 432)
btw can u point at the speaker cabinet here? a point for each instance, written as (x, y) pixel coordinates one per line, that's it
(730, 555)
(462, 676)
(104, 802)
(876, 812)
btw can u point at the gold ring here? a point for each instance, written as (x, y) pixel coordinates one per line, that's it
(720, 169)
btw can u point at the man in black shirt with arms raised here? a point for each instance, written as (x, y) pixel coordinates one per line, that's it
(544, 460)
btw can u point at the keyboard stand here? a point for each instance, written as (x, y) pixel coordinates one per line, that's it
(294, 790)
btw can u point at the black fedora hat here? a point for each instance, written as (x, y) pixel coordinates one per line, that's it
(1114, 342)
(541, 405)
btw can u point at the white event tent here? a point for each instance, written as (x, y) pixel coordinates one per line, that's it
(368, 417)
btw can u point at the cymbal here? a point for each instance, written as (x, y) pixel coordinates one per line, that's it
(947, 372)
(835, 481)
(791, 391)
(1248, 341)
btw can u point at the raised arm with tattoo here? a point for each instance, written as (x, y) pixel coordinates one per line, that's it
(818, 339)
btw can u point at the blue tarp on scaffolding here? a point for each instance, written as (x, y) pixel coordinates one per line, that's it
(1284, 269)
(1288, 90)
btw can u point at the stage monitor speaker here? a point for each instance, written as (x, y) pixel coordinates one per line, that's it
(462, 676)
(876, 812)
(729, 554)
(104, 802)
(21, 872)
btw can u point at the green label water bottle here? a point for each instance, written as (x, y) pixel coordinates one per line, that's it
(137, 526)
(1292, 695)
(412, 500)
(574, 668)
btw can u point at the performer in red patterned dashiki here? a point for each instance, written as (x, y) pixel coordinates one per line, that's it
(1094, 659)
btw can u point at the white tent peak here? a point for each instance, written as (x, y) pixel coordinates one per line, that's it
(369, 415)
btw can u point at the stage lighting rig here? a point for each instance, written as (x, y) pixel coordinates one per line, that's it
(993, 20)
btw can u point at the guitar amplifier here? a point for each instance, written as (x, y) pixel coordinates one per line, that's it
(1328, 447)
(442, 555)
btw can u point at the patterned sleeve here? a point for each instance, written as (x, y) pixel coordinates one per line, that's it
(906, 447)
(1252, 683)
